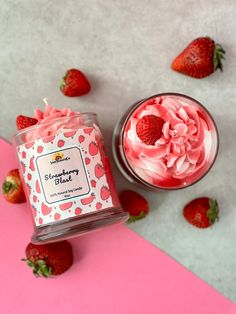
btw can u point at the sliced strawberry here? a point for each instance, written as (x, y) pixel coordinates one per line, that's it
(23, 122)
(149, 129)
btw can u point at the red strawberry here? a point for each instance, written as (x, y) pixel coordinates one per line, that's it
(149, 129)
(93, 183)
(49, 259)
(99, 171)
(31, 166)
(60, 143)
(78, 211)
(105, 193)
(93, 148)
(57, 216)
(201, 212)
(48, 139)
(87, 161)
(88, 200)
(45, 209)
(200, 58)
(66, 206)
(98, 205)
(88, 130)
(29, 144)
(81, 138)
(74, 83)
(39, 149)
(23, 122)
(135, 204)
(12, 187)
(37, 187)
(69, 133)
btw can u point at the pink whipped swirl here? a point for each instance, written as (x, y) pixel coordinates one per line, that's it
(50, 122)
(183, 148)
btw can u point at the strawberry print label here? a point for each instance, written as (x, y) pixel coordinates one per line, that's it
(66, 175)
(62, 175)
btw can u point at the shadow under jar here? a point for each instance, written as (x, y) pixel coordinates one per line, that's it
(183, 152)
(67, 177)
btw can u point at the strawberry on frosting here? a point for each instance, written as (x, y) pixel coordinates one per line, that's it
(183, 147)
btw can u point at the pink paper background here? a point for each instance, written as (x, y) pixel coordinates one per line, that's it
(115, 271)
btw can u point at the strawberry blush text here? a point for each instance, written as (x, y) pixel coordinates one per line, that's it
(62, 177)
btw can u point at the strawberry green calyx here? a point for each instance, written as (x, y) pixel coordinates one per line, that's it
(135, 218)
(218, 56)
(39, 267)
(63, 83)
(7, 186)
(63, 80)
(213, 211)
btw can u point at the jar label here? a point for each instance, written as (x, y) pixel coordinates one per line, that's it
(66, 175)
(62, 175)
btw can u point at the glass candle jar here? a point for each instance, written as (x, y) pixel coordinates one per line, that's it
(168, 141)
(67, 177)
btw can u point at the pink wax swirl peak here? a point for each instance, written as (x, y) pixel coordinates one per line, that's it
(53, 121)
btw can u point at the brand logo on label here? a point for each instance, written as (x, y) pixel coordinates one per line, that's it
(58, 157)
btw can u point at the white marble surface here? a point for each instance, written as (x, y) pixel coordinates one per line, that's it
(126, 47)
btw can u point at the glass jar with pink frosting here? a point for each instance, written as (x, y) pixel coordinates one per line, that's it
(67, 175)
(165, 142)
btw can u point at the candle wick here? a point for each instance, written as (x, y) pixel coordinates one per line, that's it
(45, 100)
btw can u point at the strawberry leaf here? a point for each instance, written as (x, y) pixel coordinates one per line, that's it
(213, 211)
(39, 267)
(63, 83)
(218, 56)
(7, 186)
(135, 218)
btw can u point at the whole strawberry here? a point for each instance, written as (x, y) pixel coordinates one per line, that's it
(135, 204)
(149, 129)
(12, 187)
(202, 212)
(200, 58)
(50, 259)
(74, 83)
(23, 122)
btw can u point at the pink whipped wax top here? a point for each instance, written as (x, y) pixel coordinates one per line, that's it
(184, 150)
(50, 122)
